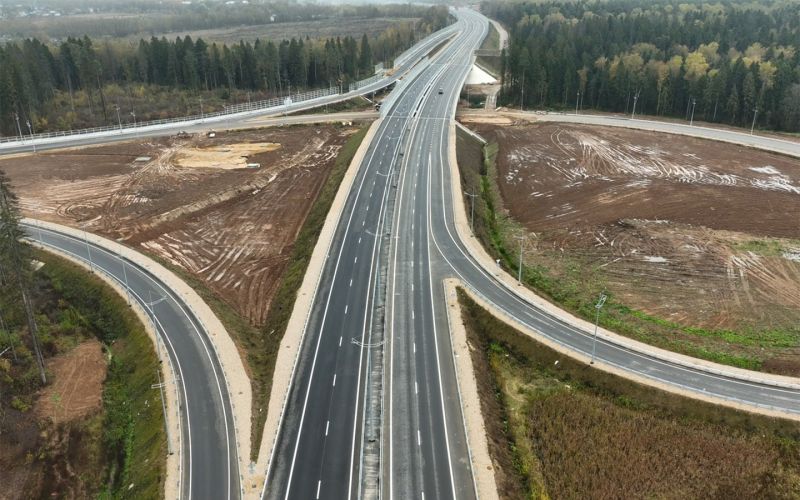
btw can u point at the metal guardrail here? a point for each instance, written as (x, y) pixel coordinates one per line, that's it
(229, 110)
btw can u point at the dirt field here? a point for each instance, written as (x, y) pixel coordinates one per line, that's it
(694, 232)
(78, 388)
(188, 200)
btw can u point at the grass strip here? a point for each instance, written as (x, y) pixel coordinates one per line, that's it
(558, 428)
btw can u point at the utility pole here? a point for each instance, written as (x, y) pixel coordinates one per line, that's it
(472, 211)
(119, 120)
(599, 305)
(577, 101)
(753, 126)
(635, 100)
(694, 103)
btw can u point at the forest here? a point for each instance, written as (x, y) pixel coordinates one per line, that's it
(83, 83)
(731, 62)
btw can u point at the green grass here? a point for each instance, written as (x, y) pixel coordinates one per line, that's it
(558, 428)
(576, 284)
(133, 436)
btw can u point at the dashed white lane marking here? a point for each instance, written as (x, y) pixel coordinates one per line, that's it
(355, 260)
(334, 380)
(415, 347)
(419, 443)
(345, 308)
(359, 239)
(412, 314)
(416, 389)
(319, 485)
(340, 341)
(327, 425)
(351, 281)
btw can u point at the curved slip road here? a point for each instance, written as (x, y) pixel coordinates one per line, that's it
(209, 461)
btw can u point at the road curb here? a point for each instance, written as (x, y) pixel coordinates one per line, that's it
(295, 331)
(235, 377)
(477, 252)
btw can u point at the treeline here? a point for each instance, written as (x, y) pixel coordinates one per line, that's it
(37, 78)
(165, 17)
(730, 61)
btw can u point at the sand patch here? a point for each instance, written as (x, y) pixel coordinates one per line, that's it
(227, 156)
(77, 388)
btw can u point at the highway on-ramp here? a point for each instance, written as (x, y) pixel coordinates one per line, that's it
(209, 461)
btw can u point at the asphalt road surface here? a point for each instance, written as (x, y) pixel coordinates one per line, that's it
(209, 467)
(322, 445)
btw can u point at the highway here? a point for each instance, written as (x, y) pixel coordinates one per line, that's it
(322, 449)
(209, 461)
(424, 450)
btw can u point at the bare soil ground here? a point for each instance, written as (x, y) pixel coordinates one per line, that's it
(48, 451)
(191, 203)
(695, 232)
(78, 388)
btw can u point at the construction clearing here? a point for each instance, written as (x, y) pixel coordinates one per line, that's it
(191, 200)
(700, 239)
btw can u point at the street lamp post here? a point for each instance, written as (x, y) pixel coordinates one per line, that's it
(577, 101)
(519, 270)
(694, 103)
(635, 100)
(88, 248)
(753, 126)
(599, 305)
(19, 129)
(119, 120)
(30, 133)
(125, 277)
(201, 108)
(472, 211)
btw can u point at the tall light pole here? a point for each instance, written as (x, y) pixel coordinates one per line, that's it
(635, 100)
(694, 103)
(753, 126)
(30, 133)
(472, 211)
(16, 117)
(88, 249)
(119, 120)
(599, 305)
(519, 270)
(125, 277)
(577, 101)
(160, 384)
